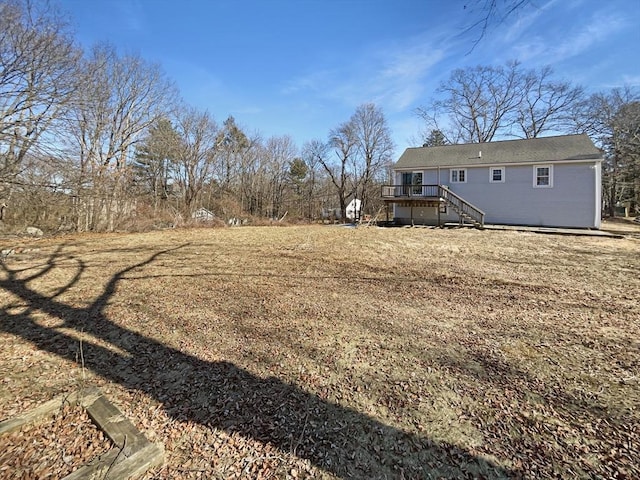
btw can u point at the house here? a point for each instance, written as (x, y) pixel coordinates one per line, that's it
(551, 181)
(203, 215)
(353, 210)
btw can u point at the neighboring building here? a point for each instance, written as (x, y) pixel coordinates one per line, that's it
(353, 209)
(203, 215)
(551, 181)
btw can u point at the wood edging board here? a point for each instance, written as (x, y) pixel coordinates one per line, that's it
(132, 454)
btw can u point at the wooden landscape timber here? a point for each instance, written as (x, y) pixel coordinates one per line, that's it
(132, 454)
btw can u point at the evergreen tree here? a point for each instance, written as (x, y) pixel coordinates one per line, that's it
(154, 160)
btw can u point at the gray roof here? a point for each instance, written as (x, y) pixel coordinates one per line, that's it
(533, 150)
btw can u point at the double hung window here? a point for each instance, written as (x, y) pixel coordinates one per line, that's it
(543, 176)
(496, 174)
(458, 175)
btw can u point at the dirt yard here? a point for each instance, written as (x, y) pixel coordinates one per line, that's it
(332, 352)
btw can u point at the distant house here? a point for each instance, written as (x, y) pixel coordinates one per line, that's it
(551, 181)
(203, 215)
(353, 209)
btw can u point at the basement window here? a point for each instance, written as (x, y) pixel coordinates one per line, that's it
(543, 176)
(496, 174)
(458, 175)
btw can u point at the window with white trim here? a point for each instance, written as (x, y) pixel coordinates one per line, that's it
(496, 174)
(458, 175)
(542, 176)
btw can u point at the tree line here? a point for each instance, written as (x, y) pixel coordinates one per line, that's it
(95, 140)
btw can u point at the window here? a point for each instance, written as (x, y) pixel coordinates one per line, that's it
(543, 176)
(458, 175)
(496, 174)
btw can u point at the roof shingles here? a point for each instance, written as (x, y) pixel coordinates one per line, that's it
(533, 150)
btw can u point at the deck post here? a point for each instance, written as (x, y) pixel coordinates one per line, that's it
(439, 197)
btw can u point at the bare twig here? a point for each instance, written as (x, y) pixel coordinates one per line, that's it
(84, 377)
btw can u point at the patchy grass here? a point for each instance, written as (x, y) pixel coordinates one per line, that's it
(329, 352)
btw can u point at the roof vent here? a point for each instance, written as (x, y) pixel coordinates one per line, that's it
(480, 154)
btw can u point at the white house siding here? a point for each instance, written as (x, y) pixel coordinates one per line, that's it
(568, 203)
(572, 201)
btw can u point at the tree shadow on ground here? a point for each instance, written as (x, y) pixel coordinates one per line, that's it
(553, 427)
(221, 395)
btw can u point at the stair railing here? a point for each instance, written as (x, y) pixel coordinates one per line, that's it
(461, 206)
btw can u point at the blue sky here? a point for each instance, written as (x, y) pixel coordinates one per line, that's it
(301, 67)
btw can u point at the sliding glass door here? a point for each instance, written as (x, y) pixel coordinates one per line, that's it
(412, 183)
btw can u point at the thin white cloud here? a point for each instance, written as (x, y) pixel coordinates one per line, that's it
(571, 43)
(393, 76)
(311, 82)
(402, 78)
(600, 27)
(523, 22)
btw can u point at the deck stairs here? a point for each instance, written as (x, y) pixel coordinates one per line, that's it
(467, 212)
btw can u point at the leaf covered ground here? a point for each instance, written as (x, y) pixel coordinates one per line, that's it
(331, 352)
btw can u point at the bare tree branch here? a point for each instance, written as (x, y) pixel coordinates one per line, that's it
(486, 13)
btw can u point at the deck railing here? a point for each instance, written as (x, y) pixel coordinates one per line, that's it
(463, 208)
(404, 191)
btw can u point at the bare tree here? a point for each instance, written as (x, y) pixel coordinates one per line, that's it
(233, 144)
(482, 102)
(278, 153)
(314, 152)
(546, 103)
(344, 142)
(487, 13)
(612, 119)
(120, 98)
(250, 170)
(38, 61)
(196, 154)
(477, 102)
(374, 145)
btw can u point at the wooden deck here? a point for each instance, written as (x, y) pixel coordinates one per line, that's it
(432, 196)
